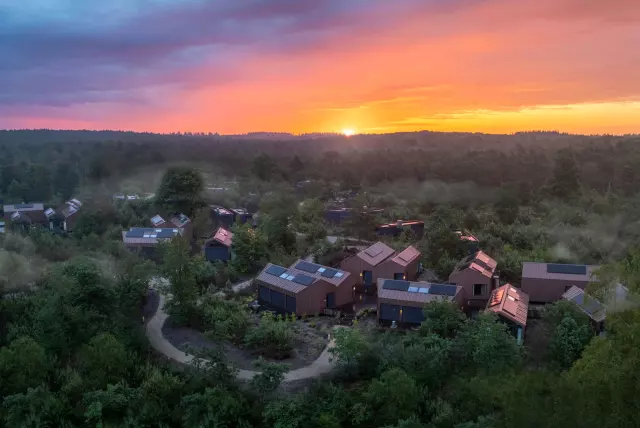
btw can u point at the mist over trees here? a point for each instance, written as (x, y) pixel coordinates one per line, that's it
(73, 352)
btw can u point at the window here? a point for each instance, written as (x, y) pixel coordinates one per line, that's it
(479, 289)
(399, 276)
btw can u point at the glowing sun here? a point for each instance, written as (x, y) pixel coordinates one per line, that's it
(348, 132)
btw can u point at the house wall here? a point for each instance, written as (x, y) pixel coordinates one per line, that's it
(355, 265)
(309, 301)
(467, 279)
(71, 222)
(411, 271)
(344, 292)
(215, 251)
(541, 290)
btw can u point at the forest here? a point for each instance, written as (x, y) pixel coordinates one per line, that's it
(73, 350)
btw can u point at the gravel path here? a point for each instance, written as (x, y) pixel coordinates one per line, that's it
(157, 340)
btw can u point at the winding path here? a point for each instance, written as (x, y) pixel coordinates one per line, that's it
(319, 367)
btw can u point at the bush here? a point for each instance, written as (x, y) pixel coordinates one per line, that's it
(272, 338)
(224, 319)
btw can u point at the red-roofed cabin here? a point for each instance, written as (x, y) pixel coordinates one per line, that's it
(381, 261)
(512, 306)
(468, 241)
(218, 246)
(395, 229)
(476, 274)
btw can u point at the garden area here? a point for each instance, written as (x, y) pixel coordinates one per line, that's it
(246, 337)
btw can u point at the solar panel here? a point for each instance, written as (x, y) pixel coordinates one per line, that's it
(443, 289)
(592, 306)
(303, 279)
(496, 298)
(307, 267)
(413, 289)
(275, 270)
(579, 299)
(21, 206)
(329, 273)
(394, 284)
(423, 290)
(135, 233)
(167, 233)
(566, 269)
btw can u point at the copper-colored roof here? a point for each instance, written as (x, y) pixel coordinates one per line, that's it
(409, 296)
(376, 254)
(224, 237)
(539, 271)
(511, 303)
(479, 262)
(466, 236)
(407, 256)
(587, 304)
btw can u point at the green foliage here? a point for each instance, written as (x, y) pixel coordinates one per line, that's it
(269, 379)
(272, 337)
(249, 248)
(178, 267)
(392, 397)
(181, 190)
(565, 182)
(104, 360)
(568, 341)
(24, 364)
(442, 318)
(224, 319)
(487, 345)
(215, 407)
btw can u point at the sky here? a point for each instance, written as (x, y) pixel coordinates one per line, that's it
(371, 66)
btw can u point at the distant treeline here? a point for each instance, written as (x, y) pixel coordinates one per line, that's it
(62, 160)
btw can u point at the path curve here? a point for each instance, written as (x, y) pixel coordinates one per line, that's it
(320, 366)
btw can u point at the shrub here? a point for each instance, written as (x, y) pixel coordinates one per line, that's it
(224, 319)
(272, 338)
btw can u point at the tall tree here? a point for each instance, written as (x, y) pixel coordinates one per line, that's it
(179, 270)
(181, 190)
(565, 182)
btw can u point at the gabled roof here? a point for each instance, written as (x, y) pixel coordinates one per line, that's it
(70, 208)
(587, 304)
(566, 272)
(157, 220)
(376, 254)
(291, 280)
(36, 206)
(465, 235)
(331, 275)
(420, 292)
(223, 236)
(511, 303)
(479, 262)
(407, 256)
(180, 220)
(147, 235)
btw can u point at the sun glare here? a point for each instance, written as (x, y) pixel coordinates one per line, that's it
(348, 132)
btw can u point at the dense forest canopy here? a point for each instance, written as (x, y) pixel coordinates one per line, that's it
(73, 352)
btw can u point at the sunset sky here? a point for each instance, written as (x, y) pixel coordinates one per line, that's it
(308, 65)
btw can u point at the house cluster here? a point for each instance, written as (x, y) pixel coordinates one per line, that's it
(390, 276)
(59, 219)
(217, 246)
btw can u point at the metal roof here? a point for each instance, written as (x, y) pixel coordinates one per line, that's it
(420, 292)
(407, 256)
(180, 220)
(511, 303)
(480, 262)
(541, 271)
(146, 235)
(325, 273)
(157, 220)
(223, 236)
(590, 306)
(376, 254)
(36, 206)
